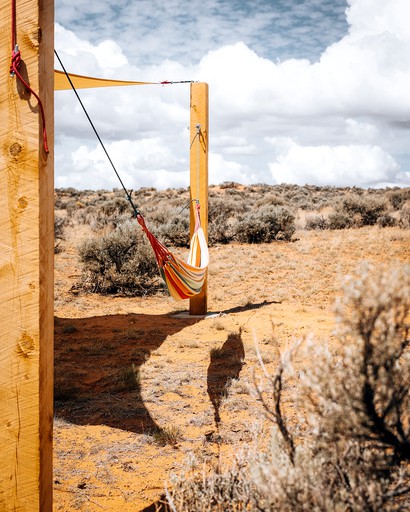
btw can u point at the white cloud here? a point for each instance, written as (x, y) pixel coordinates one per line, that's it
(85, 57)
(232, 145)
(361, 131)
(374, 17)
(343, 119)
(333, 165)
(221, 170)
(139, 161)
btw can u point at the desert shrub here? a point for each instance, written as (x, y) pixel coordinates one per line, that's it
(230, 185)
(365, 210)
(265, 225)
(60, 224)
(174, 228)
(71, 207)
(398, 198)
(170, 435)
(220, 230)
(386, 221)
(353, 450)
(222, 217)
(234, 192)
(367, 399)
(72, 192)
(271, 199)
(109, 213)
(404, 220)
(116, 206)
(230, 490)
(88, 215)
(302, 201)
(340, 220)
(120, 262)
(100, 211)
(315, 221)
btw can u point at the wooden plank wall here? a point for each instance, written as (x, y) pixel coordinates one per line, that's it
(26, 261)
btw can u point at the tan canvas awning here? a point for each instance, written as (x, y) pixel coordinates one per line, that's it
(61, 82)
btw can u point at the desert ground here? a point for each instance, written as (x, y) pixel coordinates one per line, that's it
(142, 389)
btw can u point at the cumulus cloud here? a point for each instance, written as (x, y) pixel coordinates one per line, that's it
(333, 165)
(341, 119)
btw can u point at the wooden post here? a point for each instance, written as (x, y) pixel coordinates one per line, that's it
(26, 260)
(199, 127)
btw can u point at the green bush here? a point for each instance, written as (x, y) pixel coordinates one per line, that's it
(120, 262)
(266, 224)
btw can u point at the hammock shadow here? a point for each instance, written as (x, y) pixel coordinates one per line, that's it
(224, 367)
(97, 362)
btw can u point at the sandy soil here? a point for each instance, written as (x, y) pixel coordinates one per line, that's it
(140, 389)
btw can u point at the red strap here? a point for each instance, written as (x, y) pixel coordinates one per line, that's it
(14, 70)
(197, 217)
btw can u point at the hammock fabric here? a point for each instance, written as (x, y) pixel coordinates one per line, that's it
(184, 279)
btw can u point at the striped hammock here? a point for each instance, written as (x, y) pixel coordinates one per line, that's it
(184, 279)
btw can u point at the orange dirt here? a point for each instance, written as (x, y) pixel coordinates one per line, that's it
(140, 388)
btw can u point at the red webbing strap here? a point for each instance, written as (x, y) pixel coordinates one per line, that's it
(14, 69)
(197, 217)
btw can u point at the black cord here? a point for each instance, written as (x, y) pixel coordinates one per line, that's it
(135, 209)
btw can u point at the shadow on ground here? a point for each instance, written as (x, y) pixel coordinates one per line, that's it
(97, 362)
(250, 306)
(225, 366)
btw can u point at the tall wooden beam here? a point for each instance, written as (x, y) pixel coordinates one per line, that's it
(26, 260)
(199, 128)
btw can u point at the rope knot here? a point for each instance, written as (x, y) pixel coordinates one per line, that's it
(15, 61)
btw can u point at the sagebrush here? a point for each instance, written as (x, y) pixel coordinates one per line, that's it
(120, 262)
(349, 448)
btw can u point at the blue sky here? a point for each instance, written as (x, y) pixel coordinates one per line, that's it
(152, 31)
(301, 91)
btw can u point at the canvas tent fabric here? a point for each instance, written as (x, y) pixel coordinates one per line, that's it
(61, 82)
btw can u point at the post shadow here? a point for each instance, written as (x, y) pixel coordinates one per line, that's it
(249, 307)
(97, 363)
(225, 365)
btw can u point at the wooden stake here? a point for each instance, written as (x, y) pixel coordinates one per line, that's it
(199, 127)
(26, 261)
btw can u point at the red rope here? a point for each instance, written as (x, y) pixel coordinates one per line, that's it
(15, 66)
(13, 24)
